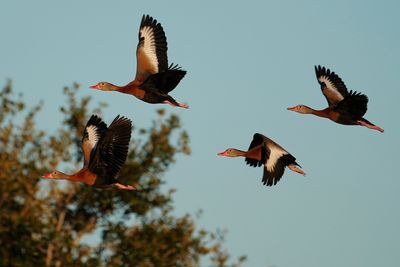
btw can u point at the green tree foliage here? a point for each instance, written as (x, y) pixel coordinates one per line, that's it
(43, 223)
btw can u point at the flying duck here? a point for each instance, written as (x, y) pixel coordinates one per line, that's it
(264, 151)
(345, 107)
(154, 77)
(104, 152)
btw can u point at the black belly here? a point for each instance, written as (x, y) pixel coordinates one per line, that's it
(158, 98)
(346, 120)
(153, 98)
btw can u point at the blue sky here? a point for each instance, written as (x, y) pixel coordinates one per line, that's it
(247, 62)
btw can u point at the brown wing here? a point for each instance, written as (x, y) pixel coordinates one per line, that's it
(355, 104)
(151, 52)
(272, 175)
(94, 130)
(258, 141)
(163, 82)
(332, 85)
(111, 151)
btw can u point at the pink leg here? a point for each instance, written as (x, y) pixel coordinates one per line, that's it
(295, 169)
(371, 126)
(181, 105)
(124, 187)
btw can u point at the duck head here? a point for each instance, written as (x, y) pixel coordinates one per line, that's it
(104, 86)
(301, 109)
(55, 175)
(231, 152)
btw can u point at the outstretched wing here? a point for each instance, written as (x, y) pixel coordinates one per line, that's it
(164, 82)
(355, 104)
(332, 85)
(272, 174)
(151, 52)
(94, 130)
(111, 151)
(258, 141)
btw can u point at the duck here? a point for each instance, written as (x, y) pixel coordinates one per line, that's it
(104, 152)
(154, 77)
(265, 152)
(344, 107)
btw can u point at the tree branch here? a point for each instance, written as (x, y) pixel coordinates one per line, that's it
(60, 222)
(88, 228)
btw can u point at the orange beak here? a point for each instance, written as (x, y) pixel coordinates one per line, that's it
(222, 153)
(47, 175)
(292, 109)
(94, 86)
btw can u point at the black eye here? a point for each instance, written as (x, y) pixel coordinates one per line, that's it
(54, 173)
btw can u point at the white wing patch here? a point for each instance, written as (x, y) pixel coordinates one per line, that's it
(331, 87)
(93, 138)
(274, 155)
(149, 45)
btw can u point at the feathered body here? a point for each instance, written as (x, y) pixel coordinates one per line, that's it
(265, 152)
(154, 77)
(344, 107)
(104, 151)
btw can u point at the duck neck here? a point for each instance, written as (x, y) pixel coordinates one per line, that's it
(113, 87)
(131, 88)
(320, 113)
(63, 176)
(239, 153)
(70, 177)
(254, 153)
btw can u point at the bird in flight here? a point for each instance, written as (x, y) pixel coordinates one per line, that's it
(154, 77)
(344, 107)
(104, 151)
(265, 152)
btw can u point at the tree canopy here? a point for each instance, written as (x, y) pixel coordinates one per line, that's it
(44, 223)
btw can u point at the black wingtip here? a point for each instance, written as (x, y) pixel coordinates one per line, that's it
(257, 135)
(177, 70)
(173, 66)
(96, 121)
(317, 70)
(121, 119)
(252, 162)
(295, 163)
(270, 181)
(94, 117)
(148, 20)
(144, 18)
(321, 70)
(325, 71)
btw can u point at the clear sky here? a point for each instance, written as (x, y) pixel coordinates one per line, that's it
(247, 61)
